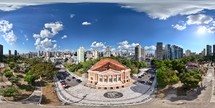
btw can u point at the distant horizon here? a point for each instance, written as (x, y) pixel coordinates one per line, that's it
(67, 26)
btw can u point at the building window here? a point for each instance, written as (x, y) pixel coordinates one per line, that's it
(114, 79)
(91, 78)
(110, 80)
(100, 79)
(119, 78)
(106, 80)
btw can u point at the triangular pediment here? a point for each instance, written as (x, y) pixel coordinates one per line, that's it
(106, 64)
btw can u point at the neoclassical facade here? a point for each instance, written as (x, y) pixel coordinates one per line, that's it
(109, 74)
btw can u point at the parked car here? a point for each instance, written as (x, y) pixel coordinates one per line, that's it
(78, 80)
(68, 79)
(142, 82)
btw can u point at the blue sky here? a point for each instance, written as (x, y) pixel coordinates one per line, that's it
(67, 26)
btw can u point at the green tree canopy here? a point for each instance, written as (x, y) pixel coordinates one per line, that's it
(8, 73)
(166, 76)
(190, 79)
(44, 69)
(10, 92)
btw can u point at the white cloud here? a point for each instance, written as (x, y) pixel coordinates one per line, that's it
(26, 37)
(150, 48)
(54, 40)
(46, 44)
(55, 27)
(155, 9)
(179, 27)
(86, 23)
(64, 37)
(72, 15)
(10, 7)
(10, 37)
(37, 42)
(199, 19)
(163, 10)
(5, 26)
(98, 45)
(7, 32)
(45, 33)
(50, 30)
(211, 29)
(44, 40)
(125, 46)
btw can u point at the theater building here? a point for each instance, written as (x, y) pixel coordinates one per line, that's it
(109, 74)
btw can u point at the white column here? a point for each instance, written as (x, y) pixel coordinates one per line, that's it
(116, 78)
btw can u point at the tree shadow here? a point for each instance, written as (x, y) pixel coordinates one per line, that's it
(45, 100)
(25, 87)
(20, 76)
(192, 95)
(140, 88)
(21, 97)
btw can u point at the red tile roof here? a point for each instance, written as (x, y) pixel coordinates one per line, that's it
(106, 64)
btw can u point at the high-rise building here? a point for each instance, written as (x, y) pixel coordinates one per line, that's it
(1, 53)
(9, 52)
(139, 53)
(167, 52)
(213, 50)
(15, 53)
(208, 50)
(180, 52)
(107, 52)
(95, 54)
(159, 51)
(188, 53)
(203, 52)
(89, 55)
(38, 54)
(80, 55)
(176, 52)
(143, 56)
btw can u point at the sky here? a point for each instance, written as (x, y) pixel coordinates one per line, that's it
(32, 25)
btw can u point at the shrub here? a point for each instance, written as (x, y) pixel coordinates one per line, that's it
(10, 92)
(8, 74)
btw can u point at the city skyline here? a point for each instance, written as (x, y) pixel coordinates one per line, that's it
(68, 26)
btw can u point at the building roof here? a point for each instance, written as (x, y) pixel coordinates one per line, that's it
(106, 64)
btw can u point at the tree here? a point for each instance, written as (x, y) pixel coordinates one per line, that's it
(12, 65)
(8, 73)
(190, 79)
(179, 66)
(10, 92)
(134, 69)
(44, 69)
(166, 76)
(159, 63)
(30, 79)
(13, 79)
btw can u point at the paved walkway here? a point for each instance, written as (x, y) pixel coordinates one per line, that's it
(82, 95)
(35, 98)
(211, 74)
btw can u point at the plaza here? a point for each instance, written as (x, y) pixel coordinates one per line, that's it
(81, 93)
